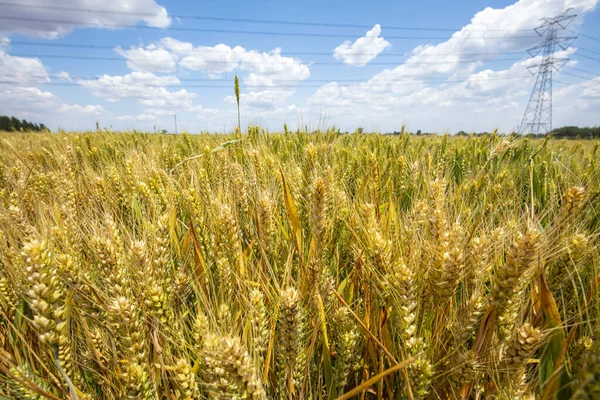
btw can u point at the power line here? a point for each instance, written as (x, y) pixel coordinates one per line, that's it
(354, 80)
(584, 71)
(409, 79)
(386, 84)
(285, 53)
(246, 20)
(588, 50)
(299, 86)
(589, 37)
(563, 82)
(575, 75)
(245, 32)
(405, 78)
(65, 45)
(593, 84)
(594, 38)
(225, 62)
(589, 57)
(291, 53)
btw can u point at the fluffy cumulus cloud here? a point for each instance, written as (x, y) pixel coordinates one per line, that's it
(591, 89)
(145, 87)
(262, 99)
(128, 83)
(21, 70)
(364, 49)
(270, 66)
(266, 71)
(439, 82)
(22, 96)
(89, 109)
(55, 18)
(264, 68)
(139, 117)
(490, 31)
(495, 98)
(578, 98)
(148, 59)
(16, 99)
(19, 91)
(64, 76)
(175, 46)
(40, 103)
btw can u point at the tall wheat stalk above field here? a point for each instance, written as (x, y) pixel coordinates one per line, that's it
(236, 88)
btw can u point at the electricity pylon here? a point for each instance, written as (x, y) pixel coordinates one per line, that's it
(538, 114)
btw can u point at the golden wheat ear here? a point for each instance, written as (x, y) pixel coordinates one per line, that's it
(230, 370)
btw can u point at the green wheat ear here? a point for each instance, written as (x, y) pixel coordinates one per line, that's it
(237, 98)
(237, 90)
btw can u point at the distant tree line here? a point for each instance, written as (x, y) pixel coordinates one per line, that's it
(573, 132)
(565, 132)
(13, 124)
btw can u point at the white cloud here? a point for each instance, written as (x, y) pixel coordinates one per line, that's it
(21, 93)
(42, 106)
(144, 87)
(149, 59)
(591, 89)
(484, 100)
(264, 99)
(162, 112)
(217, 59)
(19, 98)
(23, 97)
(39, 14)
(496, 95)
(490, 31)
(181, 99)
(407, 94)
(578, 98)
(89, 109)
(364, 49)
(264, 68)
(176, 47)
(64, 76)
(267, 69)
(21, 70)
(272, 67)
(136, 85)
(140, 117)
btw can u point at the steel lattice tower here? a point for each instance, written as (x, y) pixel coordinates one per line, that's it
(538, 114)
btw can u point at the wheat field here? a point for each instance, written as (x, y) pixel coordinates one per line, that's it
(298, 266)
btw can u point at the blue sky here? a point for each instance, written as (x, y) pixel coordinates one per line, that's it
(464, 68)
